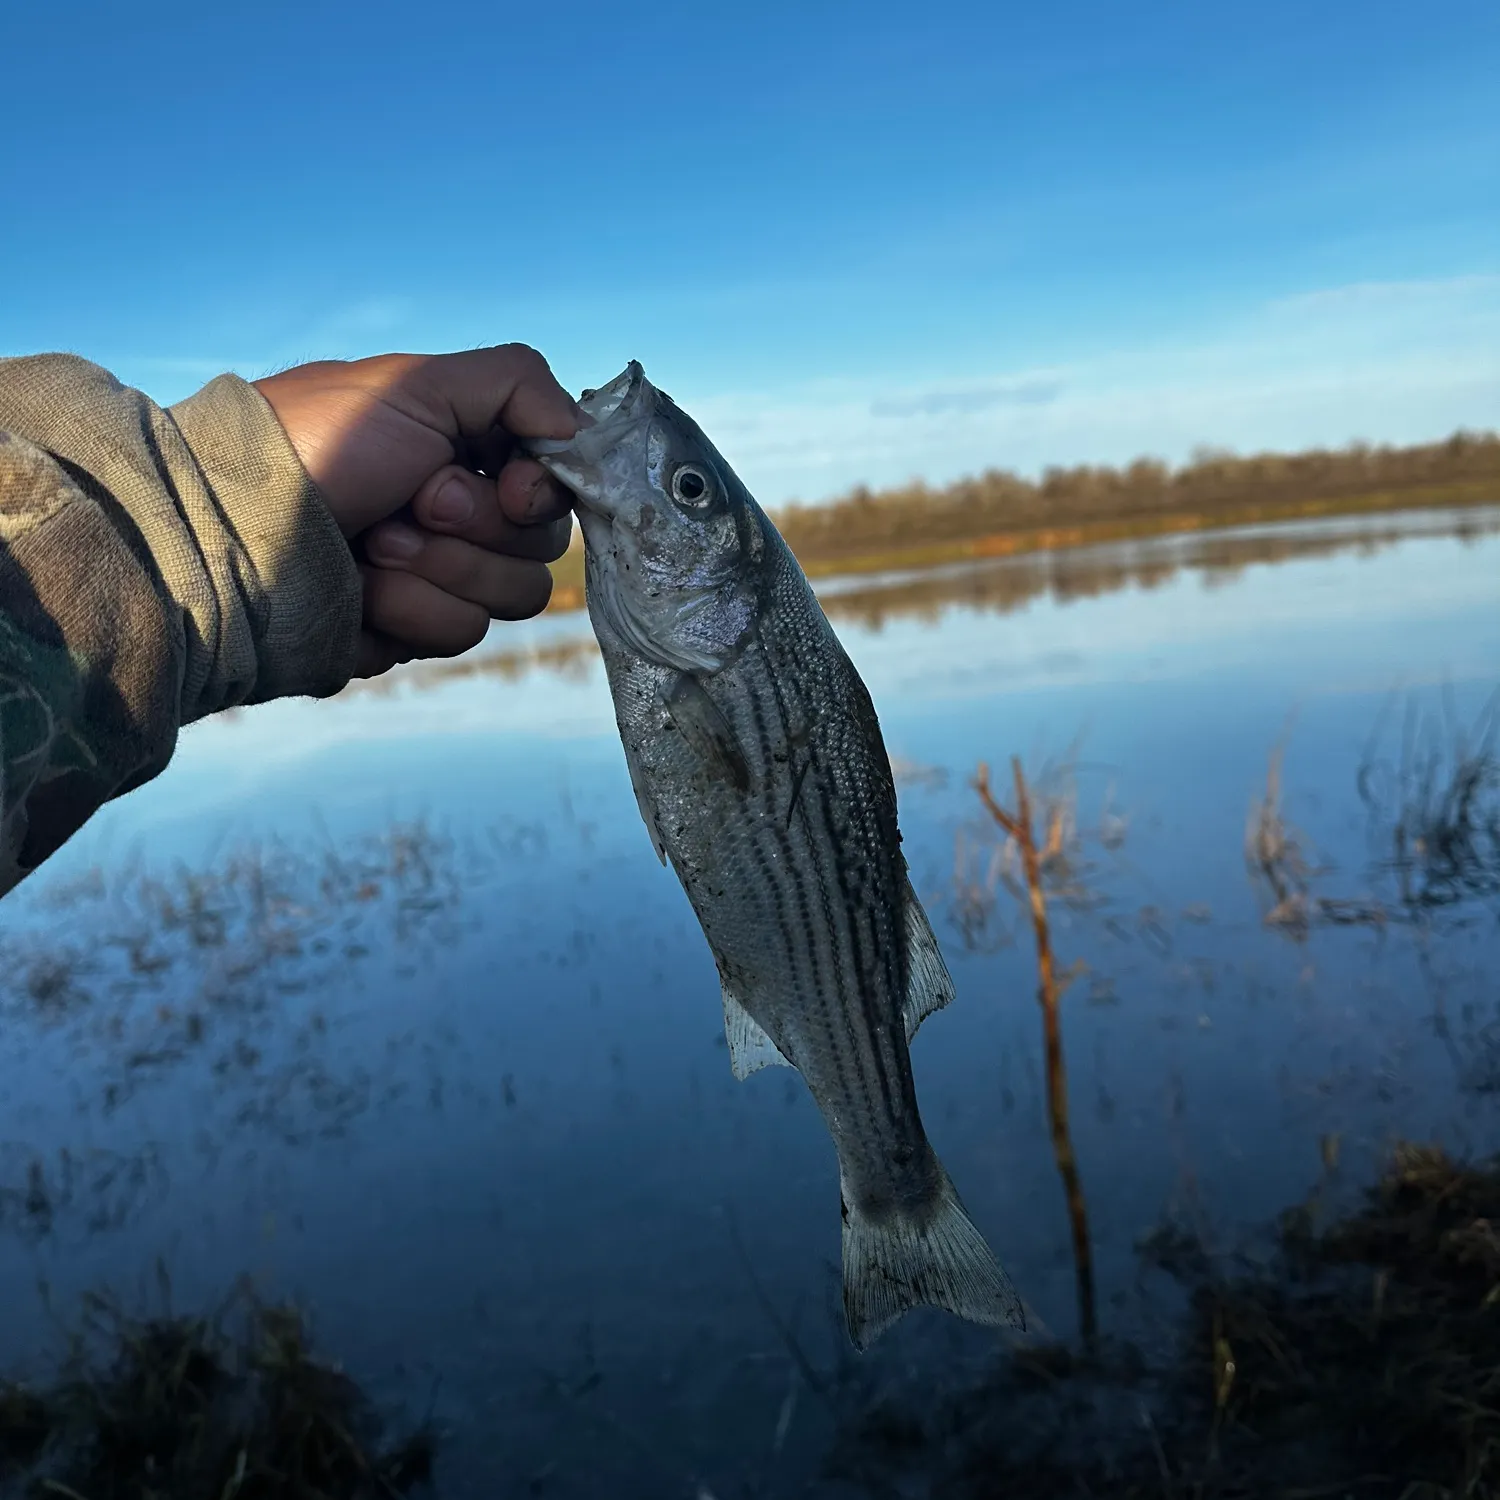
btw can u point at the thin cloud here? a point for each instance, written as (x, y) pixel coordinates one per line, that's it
(1380, 366)
(1374, 294)
(967, 400)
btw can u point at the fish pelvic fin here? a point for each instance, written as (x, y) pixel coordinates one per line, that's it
(929, 986)
(750, 1047)
(932, 1257)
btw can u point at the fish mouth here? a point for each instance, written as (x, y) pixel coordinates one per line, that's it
(609, 413)
(622, 397)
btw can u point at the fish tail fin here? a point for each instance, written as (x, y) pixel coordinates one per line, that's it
(933, 1257)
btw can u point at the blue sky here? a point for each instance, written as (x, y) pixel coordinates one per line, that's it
(859, 242)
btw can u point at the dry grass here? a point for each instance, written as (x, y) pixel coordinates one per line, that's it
(1434, 828)
(1365, 1363)
(1283, 868)
(1435, 807)
(192, 1409)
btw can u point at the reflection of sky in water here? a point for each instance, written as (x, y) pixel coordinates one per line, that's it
(545, 1142)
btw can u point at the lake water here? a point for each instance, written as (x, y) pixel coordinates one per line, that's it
(387, 1002)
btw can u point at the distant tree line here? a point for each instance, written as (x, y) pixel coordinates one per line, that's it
(1215, 487)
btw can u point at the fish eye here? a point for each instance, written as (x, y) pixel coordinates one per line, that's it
(690, 485)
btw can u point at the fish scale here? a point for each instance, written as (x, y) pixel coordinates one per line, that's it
(758, 764)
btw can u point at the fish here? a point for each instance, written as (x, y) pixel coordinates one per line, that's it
(760, 772)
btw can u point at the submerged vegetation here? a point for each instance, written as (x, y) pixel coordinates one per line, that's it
(1362, 1361)
(151, 971)
(200, 1408)
(1433, 812)
(1000, 514)
(1434, 807)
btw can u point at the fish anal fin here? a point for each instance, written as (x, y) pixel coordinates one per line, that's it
(705, 730)
(750, 1049)
(931, 1257)
(929, 986)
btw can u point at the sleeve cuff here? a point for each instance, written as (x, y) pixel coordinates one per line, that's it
(306, 579)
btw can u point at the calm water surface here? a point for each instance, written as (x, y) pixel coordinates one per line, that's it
(386, 1001)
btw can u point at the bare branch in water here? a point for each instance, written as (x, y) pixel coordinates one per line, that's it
(1019, 827)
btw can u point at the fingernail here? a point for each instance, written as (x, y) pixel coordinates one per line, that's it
(543, 497)
(395, 542)
(453, 504)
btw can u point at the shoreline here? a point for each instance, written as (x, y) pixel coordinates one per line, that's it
(568, 595)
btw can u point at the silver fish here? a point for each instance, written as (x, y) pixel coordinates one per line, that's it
(759, 767)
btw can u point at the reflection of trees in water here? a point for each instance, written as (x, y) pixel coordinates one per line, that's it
(1000, 587)
(573, 660)
(1010, 584)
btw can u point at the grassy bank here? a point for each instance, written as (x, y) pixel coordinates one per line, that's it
(168, 1407)
(1000, 515)
(1359, 1364)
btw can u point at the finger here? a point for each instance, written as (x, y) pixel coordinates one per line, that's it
(420, 615)
(509, 385)
(376, 653)
(506, 588)
(459, 503)
(529, 495)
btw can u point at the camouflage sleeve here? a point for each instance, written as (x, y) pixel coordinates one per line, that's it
(155, 565)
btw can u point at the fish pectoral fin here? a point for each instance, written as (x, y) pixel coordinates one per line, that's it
(644, 802)
(705, 730)
(750, 1048)
(929, 986)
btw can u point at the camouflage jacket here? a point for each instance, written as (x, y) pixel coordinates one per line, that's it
(155, 565)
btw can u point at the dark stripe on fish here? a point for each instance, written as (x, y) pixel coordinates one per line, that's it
(864, 993)
(804, 960)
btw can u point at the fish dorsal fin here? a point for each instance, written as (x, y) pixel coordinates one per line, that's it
(929, 986)
(750, 1049)
(705, 730)
(642, 801)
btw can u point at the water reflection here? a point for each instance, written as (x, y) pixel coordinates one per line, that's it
(1004, 585)
(457, 1075)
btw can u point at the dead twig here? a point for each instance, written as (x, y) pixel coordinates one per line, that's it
(1049, 993)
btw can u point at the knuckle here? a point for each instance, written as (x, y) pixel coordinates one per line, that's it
(530, 360)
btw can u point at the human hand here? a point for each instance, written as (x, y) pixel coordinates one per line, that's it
(415, 456)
